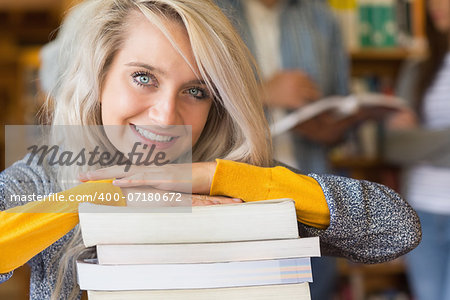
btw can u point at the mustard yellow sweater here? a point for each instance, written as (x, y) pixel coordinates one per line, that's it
(28, 229)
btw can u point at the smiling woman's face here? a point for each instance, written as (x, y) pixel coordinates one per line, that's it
(150, 87)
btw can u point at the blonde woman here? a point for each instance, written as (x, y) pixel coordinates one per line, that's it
(141, 63)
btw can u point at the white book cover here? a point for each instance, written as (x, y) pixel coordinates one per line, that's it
(207, 252)
(93, 276)
(260, 220)
(297, 291)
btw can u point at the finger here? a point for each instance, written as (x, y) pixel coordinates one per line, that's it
(106, 173)
(199, 200)
(308, 87)
(227, 200)
(219, 199)
(183, 185)
(141, 179)
(202, 202)
(310, 92)
(135, 180)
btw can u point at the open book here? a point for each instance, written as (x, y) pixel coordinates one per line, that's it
(343, 106)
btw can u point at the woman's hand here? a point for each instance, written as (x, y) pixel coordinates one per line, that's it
(290, 89)
(404, 119)
(193, 178)
(151, 197)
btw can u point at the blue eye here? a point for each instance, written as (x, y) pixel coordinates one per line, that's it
(194, 92)
(144, 79)
(197, 93)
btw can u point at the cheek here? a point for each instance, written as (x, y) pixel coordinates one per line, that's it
(118, 104)
(198, 121)
(440, 14)
(109, 103)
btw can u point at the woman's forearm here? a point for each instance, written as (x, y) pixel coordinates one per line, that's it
(357, 219)
(28, 229)
(251, 183)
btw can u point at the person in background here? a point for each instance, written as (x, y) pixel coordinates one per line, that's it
(420, 142)
(298, 47)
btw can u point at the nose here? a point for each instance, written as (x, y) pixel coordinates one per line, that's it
(164, 111)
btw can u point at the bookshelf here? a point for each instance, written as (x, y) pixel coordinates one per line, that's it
(382, 62)
(379, 35)
(18, 286)
(375, 67)
(25, 25)
(379, 281)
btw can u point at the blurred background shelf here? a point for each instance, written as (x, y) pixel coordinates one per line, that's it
(376, 62)
(395, 53)
(379, 281)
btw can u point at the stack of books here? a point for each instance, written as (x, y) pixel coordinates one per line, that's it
(237, 251)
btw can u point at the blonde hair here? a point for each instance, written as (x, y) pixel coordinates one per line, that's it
(236, 128)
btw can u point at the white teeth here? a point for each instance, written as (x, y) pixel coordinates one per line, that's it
(154, 137)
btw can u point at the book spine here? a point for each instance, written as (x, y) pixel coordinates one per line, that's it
(419, 43)
(418, 17)
(390, 26)
(384, 26)
(365, 22)
(299, 291)
(346, 13)
(92, 276)
(100, 225)
(207, 252)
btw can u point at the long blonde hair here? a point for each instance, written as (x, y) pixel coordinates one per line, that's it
(236, 128)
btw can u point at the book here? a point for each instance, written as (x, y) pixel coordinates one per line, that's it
(345, 12)
(365, 22)
(260, 220)
(298, 291)
(384, 25)
(207, 252)
(404, 23)
(343, 106)
(94, 276)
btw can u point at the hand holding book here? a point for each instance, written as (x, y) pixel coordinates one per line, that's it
(326, 128)
(337, 114)
(330, 128)
(290, 89)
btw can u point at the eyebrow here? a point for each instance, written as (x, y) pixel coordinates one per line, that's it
(146, 66)
(196, 81)
(158, 70)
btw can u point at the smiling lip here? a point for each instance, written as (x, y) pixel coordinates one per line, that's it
(148, 137)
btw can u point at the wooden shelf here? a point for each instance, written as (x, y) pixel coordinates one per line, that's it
(360, 281)
(380, 53)
(395, 53)
(382, 61)
(30, 5)
(394, 267)
(355, 162)
(18, 286)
